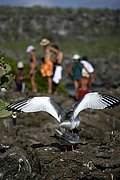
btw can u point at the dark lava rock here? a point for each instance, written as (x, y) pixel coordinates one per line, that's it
(28, 152)
(89, 161)
(14, 164)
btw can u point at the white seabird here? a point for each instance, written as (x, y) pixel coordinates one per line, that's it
(67, 138)
(68, 119)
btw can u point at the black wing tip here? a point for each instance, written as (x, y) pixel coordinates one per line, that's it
(13, 106)
(8, 108)
(12, 109)
(110, 99)
(112, 105)
(109, 96)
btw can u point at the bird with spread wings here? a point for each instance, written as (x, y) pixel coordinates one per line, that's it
(68, 119)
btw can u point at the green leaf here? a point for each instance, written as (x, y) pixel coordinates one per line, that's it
(6, 81)
(4, 113)
(7, 67)
(2, 104)
(2, 71)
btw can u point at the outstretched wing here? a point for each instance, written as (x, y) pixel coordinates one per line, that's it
(95, 100)
(36, 104)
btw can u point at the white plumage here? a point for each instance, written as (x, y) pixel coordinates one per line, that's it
(96, 101)
(68, 119)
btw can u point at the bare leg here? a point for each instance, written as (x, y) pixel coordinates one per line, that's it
(49, 85)
(76, 85)
(57, 89)
(34, 89)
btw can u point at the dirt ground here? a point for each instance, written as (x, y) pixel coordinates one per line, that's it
(28, 150)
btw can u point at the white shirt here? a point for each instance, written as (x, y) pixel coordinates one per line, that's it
(88, 66)
(58, 74)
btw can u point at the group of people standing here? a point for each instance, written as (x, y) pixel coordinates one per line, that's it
(82, 74)
(51, 67)
(80, 70)
(20, 74)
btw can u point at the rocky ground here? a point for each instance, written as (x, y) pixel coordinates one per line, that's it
(28, 150)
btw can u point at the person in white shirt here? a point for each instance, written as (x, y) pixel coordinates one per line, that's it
(89, 68)
(57, 75)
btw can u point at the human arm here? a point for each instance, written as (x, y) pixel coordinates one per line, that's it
(60, 58)
(70, 69)
(58, 53)
(33, 63)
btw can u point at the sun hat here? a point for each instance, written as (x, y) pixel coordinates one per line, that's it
(76, 57)
(30, 48)
(44, 42)
(20, 64)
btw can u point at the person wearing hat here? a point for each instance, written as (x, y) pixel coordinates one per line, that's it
(86, 79)
(33, 63)
(47, 66)
(57, 70)
(84, 85)
(75, 71)
(20, 77)
(44, 42)
(90, 69)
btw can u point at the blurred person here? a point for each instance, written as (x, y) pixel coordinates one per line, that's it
(33, 64)
(47, 66)
(57, 72)
(75, 71)
(20, 77)
(84, 85)
(89, 69)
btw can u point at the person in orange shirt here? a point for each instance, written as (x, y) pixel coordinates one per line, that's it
(47, 66)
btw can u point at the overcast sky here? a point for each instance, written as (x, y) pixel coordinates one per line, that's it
(112, 4)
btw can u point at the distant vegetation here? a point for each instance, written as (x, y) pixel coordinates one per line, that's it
(5, 82)
(91, 32)
(95, 32)
(7, 70)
